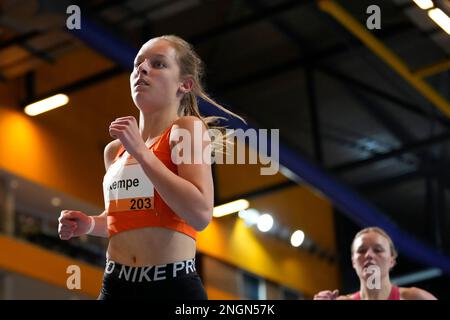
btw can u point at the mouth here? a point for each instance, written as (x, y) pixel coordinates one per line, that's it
(368, 264)
(141, 82)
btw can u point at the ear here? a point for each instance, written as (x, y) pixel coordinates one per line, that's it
(187, 85)
(393, 263)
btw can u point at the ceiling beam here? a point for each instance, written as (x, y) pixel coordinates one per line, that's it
(80, 84)
(383, 52)
(259, 192)
(397, 152)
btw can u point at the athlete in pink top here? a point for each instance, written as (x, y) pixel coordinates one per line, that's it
(394, 295)
(373, 256)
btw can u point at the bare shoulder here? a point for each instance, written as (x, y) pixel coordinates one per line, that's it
(414, 293)
(188, 122)
(110, 152)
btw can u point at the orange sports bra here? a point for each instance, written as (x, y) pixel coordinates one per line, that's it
(131, 201)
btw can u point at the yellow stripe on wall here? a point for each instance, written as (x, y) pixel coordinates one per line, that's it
(44, 265)
(229, 240)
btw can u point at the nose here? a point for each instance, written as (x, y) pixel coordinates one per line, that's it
(369, 253)
(143, 67)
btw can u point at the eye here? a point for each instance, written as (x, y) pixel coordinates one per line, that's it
(158, 64)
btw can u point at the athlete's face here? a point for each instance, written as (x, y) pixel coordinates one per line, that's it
(371, 250)
(155, 80)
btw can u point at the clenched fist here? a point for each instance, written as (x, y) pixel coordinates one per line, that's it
(73, 224)
(327, 295)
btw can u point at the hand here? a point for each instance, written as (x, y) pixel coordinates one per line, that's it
(327, 295)
(126, 130)
(72, 224)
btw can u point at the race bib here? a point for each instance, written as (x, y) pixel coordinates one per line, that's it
(126, 187)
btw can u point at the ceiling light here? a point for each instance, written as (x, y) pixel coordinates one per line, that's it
(231, 207)
(250, 216)
(440, 18)
(56, 201)
(47, 104)
(265, 222)
(424, 4)
(297, 238)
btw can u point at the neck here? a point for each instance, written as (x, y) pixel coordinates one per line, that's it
(375, 294)
(153, 124)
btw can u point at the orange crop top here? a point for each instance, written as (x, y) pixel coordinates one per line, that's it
(131, 201)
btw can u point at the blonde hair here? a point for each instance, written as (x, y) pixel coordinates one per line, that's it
(192, 66)
(381, 232)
